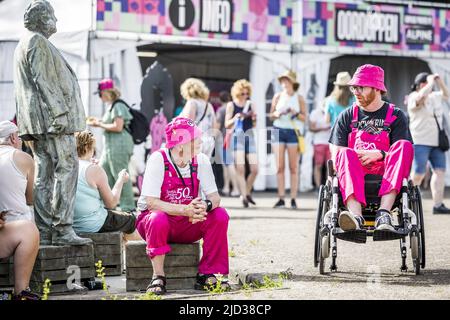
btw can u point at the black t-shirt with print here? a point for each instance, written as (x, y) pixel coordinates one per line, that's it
(371, 122)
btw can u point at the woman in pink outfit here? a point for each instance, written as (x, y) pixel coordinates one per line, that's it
(180, 204)
(372, 137)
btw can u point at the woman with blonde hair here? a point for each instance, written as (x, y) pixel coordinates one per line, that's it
(240, 118)
(118, 142)
(288, 111)
(197, 108)
(95, 201)
(340, 98)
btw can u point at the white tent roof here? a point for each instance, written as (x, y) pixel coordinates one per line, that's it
(73, 16)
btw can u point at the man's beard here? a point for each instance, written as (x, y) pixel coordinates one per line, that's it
(364, 102)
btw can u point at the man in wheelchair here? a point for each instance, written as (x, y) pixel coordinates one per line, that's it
(372, 137)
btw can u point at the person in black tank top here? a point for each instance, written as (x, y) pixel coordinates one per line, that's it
(241, 118)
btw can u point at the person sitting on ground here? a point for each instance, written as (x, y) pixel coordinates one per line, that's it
(371, 137)
(173, 212)
(19, 236)
(95, 201)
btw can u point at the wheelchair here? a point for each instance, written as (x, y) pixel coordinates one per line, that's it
(409, 223)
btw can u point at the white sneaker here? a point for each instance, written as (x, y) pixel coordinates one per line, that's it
(350, 222)
(235, 194)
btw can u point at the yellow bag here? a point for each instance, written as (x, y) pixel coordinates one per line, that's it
(300, 139)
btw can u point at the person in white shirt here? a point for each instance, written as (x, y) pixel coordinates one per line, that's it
(19, 236)
(320, 126)
(180, 203)
(425, 108)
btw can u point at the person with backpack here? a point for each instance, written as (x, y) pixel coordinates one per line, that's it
(118, 141)
(198, 109)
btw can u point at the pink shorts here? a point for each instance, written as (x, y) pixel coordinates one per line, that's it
(321, 154)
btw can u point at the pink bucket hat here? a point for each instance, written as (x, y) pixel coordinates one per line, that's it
(369, 75)
(105, 84)
(180, 131)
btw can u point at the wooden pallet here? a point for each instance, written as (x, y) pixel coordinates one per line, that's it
(61, 265)
(180, 266)
(108, 247)
(6, 273)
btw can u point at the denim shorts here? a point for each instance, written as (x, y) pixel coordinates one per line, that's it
(243, 141)
(423, 154)
(227, 156)
(284, 136)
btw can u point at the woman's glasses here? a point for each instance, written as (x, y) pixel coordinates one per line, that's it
(244, 94)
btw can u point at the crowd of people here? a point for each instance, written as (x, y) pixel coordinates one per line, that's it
(179, 199)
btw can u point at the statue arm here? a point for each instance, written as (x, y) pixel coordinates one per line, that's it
(45, 76)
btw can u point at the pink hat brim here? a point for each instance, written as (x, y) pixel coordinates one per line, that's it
(367, 83)
(183, 139)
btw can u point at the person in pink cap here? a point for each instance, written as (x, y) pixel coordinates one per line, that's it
(371, 137)
(118, 142)
(179, 203)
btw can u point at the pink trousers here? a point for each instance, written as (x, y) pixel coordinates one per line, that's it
(158, 229)
(397, 166)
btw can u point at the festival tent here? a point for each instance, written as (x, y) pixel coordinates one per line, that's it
(92, 58)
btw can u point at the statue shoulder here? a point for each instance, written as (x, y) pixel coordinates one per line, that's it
(33, 40)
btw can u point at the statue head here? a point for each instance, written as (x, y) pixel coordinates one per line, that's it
(40, 17)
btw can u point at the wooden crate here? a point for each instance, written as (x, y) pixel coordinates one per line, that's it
(6, 273)
(59, 263)
(180, 266)
(108, 247)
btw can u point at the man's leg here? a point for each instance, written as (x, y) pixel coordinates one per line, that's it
(65, 188)
(21, 239)
(43, 188)
(437, 183)
(421, 156)
(351, 182)
(397, 167)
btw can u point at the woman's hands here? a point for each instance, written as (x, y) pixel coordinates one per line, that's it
(123, 176)
(93, 122)
(369, 156)
(196, 211)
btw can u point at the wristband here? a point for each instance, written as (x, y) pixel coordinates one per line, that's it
(209, 205)
(383, 154)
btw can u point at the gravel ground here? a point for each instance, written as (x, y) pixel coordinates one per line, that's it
(266, 241)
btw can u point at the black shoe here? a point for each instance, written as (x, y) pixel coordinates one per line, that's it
(280, 204)
(293, 204)
(26, 294)
(250, 199)
(350, 222)
(442, 209)
(245, 202)
(383, 221)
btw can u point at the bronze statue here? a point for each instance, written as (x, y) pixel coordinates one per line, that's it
(49, 112)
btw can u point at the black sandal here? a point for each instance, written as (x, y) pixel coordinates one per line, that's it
(162, 287)
(205, 285)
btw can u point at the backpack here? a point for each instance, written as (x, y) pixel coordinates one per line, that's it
(139, 125)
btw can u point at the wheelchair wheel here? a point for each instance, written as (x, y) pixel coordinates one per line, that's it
(417, 237)
(421, 225)
(318, 242)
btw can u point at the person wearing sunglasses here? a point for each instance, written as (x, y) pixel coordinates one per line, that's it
(240, 120)
(288, 111)
(426, 113)
(371, 137)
